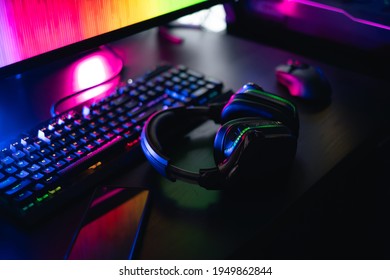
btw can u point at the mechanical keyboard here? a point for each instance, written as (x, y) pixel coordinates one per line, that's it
(58, 160)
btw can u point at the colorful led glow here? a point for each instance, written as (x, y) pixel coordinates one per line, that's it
(287, 8)
(32, 27)
(277, 98)
(228, 151)
(93, 70)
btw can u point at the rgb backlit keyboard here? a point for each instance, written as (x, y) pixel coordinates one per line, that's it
(61, 158)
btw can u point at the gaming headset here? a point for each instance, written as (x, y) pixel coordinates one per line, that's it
(258, 136)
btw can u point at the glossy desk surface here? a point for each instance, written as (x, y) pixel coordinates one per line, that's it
(185, 221)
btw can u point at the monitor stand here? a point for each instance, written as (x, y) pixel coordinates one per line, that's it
(165, 33)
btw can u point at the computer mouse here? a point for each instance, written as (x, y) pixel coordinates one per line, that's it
(304, 81)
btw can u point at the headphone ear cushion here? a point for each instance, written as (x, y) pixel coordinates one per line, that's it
(252, 146)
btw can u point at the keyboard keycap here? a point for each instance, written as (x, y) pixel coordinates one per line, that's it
(7, 182)
(7, 160)
(23, 184)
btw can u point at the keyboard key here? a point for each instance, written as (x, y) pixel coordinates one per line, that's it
(59, 164)
(18, 154)
(22, 163)
(74, 134)
(34, 167)
(48, 169)
(38, 187)
(80, 152)
(109, 135)
(28, 149)
(5, 152)
(199, 92)
(44, 151)
(54, 146)
(7, 182)
(70, 158)
(94, 133)
(37, 176)
(64, 140)
(86, 138)
(50, 179)
(104, 129)
(44, 161)
(10, 169)
(15, 146)
(39, 144)
(33, 157)
(90, 146)
(131, 104)
(55, 156)
(99, 141)
(22, 174)
(23, 184)
(65, 150)
(120, 100)
(23, 196)
(7, 160)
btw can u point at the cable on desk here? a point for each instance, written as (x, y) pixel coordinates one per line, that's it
(53, 108)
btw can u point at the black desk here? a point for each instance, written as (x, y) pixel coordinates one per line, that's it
(187, 222)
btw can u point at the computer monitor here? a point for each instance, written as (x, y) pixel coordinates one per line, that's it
(34, 32)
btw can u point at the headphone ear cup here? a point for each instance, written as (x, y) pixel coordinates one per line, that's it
(252, 101)
(248, 147)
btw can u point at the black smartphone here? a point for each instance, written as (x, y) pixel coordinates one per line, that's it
(111, 225)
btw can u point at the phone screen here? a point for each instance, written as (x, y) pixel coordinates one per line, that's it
(111, 225)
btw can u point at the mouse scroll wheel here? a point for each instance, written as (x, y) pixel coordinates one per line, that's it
(296, 64)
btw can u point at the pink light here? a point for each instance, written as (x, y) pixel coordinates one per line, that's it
(92, 70)
(90, 94)
(287, 7)
(96, 91)
(337, 10)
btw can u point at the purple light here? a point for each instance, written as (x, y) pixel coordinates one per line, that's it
(287, 8)
(336, 10)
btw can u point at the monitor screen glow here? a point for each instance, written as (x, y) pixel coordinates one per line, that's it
(30, 28)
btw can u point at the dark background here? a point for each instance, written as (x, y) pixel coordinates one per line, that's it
(332, 204)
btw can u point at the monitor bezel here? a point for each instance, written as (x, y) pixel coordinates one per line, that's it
(77, 48)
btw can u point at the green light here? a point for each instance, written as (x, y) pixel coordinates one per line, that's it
(25, 208)
(213, 94)
(229, 150)
(277, 98)
(39, 199)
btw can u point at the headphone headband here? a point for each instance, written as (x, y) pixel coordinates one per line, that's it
(153, 148)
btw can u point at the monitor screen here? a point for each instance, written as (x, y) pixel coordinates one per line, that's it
(33, 31)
